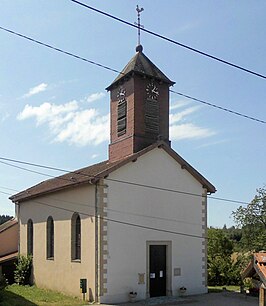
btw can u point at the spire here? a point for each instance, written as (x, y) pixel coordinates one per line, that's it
(139, 47)
(140, 65)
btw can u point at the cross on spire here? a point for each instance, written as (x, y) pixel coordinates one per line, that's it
(139, 10)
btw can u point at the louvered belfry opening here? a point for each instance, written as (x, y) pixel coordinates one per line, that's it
(152, 117)
(121, 117)
(139, 107)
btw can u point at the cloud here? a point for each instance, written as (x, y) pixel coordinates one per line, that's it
(213, 143)
(69, 122)
(179, 116)
(95, 96)
(181, 129)
(48, 112)
(86, 127)
(178, 104)
(74, 123)
(35, 90)
(188, 131)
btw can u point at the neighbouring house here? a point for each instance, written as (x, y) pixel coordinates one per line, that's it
(256, 270)
(133, 223)
(8, 248)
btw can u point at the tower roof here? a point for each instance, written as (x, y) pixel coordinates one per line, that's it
(140, 64)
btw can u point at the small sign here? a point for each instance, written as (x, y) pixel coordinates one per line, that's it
(161, 273)
(177, 271)
(152, 275)
(141, 278)
(83, 285)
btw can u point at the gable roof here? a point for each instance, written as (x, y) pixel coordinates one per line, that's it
(94, 173)
(8, 257)
(257, 266)
(142, 65)
(6, 225)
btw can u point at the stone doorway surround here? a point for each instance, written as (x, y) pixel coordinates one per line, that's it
(168, 245)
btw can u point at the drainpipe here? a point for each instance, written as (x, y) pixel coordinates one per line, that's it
(17, 210)
(97, 257)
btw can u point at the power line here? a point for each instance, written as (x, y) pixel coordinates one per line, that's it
(32, 171)
(219, 107)
(116, 71)
(7, 188)
(109, 209)
(118, 221)
(171, 40)
(121, 181)
(59, 50)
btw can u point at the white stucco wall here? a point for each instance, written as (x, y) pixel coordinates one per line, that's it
(61, 274)
(127, 245)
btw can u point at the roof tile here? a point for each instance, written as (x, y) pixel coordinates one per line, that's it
(93, 173)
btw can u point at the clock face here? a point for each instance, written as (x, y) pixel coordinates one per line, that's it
(121, 93)
(152, 91)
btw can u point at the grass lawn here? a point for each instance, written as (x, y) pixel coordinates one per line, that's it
(16, 295)
(220, 288)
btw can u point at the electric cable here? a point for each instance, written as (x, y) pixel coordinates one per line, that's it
(216, 106)
(170, 40)
(123, 182)
(118, 221)
(111, 210)
(120, 72)
(59, 50)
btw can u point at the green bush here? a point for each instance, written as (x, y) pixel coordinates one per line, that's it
(23, 270)
(3, 281)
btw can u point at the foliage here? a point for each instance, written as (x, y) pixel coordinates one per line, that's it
(229, 249)
(222, 270)
(3, 281)
(218, 244)
(234, 234)
(16, 295)
(224, 264)
(216, 289)
(23, 270)
(4, 218)
(252, 219)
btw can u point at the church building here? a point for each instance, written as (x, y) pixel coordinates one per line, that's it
(136, 222)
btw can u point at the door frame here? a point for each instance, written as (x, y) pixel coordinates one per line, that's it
(168, 245)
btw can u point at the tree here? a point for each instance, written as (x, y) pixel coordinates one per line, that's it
(252, 219)
(4, 218)
(220, 266)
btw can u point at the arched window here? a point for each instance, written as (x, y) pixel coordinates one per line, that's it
(30, 237)
(75, 237)
(50, 238)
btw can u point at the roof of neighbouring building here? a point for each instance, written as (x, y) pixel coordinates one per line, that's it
(257, 266)
(92, 174)
(8, 257)
(142, 65)
(6, 225)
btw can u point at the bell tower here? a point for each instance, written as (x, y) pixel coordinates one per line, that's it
(139, 99)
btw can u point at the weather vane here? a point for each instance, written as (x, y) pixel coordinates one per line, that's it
(139, 10)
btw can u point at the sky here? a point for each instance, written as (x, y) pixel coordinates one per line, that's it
(54, 109)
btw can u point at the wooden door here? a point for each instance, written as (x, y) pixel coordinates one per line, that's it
(157, 270)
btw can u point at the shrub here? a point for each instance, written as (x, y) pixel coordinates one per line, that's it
(23, 270)
(3, 281)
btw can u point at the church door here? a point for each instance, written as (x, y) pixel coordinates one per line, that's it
(157, 270)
